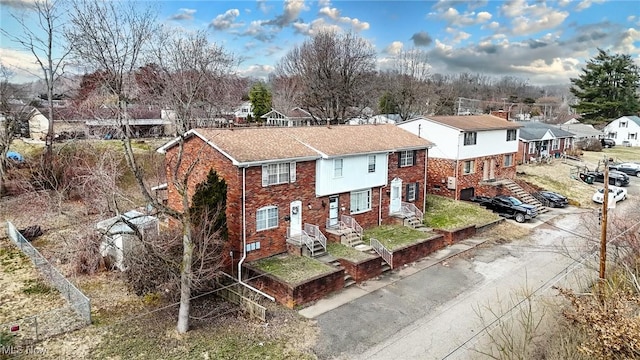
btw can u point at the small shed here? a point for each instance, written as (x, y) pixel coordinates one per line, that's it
(120, 234)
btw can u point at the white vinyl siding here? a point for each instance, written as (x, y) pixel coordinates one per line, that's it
(360, 201)
(280, 173)
(267, 218)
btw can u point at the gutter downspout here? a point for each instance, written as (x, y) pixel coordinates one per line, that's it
(380, 195)
(424, 187)
(244, 240)
(455, 191)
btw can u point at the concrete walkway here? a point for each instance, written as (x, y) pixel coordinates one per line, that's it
(358, 290)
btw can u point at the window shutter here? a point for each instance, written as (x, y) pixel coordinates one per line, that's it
(406, 192)
(292, 171)
(399, 159)
(265, 175)
(417, 193)
(415, 156)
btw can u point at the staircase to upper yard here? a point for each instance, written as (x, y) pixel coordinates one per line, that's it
(524, 196)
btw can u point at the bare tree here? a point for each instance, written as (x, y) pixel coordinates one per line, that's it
(334, 70)
(409, 82)
(8, 120)
(112, 37)
(45, 41)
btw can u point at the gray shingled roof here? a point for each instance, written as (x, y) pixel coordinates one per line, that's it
(247, 145)
(534, 130)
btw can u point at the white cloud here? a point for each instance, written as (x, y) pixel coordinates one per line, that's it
(256, 71)
(514, 8)
(492, 25)
(453, 17)
(631, 18)
(18, 4)
(559, 67)
(443, 47)
(324, 3)
(356, 24)
(292, 10)
(525, 26)
(332, 13)
(315, 26)
(585, 4)
(394, 48)
(23, 64)
(183, 14)
(460, 36)
(226, 20)
(627, 43)
(483, 17)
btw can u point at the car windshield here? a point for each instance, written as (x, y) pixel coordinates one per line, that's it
(514, 201)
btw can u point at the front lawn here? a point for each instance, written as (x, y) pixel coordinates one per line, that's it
(444, 213)
(292, 269)
(395, 236)
(340, 251)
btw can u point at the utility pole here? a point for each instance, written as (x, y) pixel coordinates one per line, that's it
(603, 233)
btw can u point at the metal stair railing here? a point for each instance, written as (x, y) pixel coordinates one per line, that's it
(350, 222)
(384, 253)
(409, 208)
(314, 233)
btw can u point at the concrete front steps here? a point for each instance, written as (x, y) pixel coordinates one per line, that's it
(524, 196)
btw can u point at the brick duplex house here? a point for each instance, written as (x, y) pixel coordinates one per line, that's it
(470, 153)
(279, 178)
(538, 139)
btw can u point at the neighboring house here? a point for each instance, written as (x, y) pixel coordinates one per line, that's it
(293, 117)
(242, 112)
(540, 140)
(582, 131)
(112, 129)
(38, 125)
(377, 119)
(624, 130)
(470, 154)
(283, 183)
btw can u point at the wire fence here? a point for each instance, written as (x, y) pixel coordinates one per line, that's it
(76, 315)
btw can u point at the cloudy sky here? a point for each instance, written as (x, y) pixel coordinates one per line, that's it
(545, 42)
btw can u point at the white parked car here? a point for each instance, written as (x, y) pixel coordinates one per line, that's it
(617, 193)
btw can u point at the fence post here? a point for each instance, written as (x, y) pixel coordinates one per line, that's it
(36, 325)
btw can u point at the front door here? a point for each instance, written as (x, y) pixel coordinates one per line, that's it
(333, 211)
(396, 196)
(295, 218)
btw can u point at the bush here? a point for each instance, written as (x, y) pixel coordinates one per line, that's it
(590, 144)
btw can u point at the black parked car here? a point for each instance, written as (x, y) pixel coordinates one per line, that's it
(607, 143)
(629, 168)
(616, 178)
(508, 207)
(551, 199)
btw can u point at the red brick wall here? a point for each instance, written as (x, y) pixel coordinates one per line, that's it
(363, 270)
(417, 251)
(440, 169)
(292, 295)
(408, 174)
(453, 236)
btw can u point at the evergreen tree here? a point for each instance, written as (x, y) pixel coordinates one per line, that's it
(260, 98)
(210, 200)
(607, 88)
(388, 104)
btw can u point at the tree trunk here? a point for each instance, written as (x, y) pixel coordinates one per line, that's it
(186, 276)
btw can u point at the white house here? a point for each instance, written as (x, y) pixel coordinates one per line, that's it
(243, 111)
(624, 130)
(293, 117)
(470, 151)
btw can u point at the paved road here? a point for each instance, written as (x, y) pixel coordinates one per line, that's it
(433, 314)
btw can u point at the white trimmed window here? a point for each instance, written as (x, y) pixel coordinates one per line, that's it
(470, 138)
(267, 218)
(633, 136)
(555, 144)
(406, 158)
(532, 147)
(411, 192)
(253, 246)
(372, 163)
(508, 160)
(623, 124)
(511, 134)
(280, 173)
(337, 167)
(567, 143)
(360, 201)
(469, 166)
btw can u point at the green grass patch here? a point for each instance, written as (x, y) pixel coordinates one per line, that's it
(341, 251)
(36, 286)
(12, 259)
(447, 214)
(395, 236)
(292, 269)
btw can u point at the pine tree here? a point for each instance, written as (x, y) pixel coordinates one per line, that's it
(210, 200)
(260, 98)
(607, 88)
